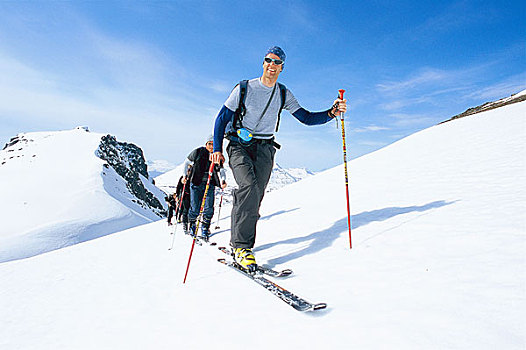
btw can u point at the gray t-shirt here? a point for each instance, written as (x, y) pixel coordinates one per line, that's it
(257, 97)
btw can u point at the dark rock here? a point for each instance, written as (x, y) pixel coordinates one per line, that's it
(128, 161)
(14, 141)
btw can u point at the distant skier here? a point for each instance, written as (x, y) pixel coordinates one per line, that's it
(172, 206)
(250, 126)
(200, 160)
(184, 206)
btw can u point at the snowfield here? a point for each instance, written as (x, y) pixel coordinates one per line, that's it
(56, 192)
(437, 262)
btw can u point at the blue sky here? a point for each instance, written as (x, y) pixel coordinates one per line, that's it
(156, 73)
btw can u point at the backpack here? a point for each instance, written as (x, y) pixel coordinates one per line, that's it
(200, 168)
(237, 123)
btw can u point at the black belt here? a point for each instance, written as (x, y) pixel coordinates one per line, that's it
(270, 141)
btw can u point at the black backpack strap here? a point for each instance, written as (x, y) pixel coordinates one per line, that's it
(283, 90)
(241, 109)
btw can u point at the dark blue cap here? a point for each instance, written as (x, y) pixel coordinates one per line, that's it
(278, 51)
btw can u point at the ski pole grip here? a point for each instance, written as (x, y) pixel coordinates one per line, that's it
(340, 94)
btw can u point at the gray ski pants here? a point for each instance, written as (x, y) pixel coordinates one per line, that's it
(252, 167)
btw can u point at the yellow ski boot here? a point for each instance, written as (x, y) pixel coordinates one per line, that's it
(245, 258)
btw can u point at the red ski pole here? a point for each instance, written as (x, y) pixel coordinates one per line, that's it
(340, 95)
(198, 221)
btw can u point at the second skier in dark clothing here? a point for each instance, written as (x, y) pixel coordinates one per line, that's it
(200, 160)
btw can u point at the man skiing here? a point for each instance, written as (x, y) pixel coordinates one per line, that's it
(250, 120)
(199, 160)
(184, 206)
(171, 200)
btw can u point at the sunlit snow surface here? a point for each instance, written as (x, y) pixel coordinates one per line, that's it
(437, 261)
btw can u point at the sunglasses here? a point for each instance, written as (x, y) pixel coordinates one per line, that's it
(276, 62)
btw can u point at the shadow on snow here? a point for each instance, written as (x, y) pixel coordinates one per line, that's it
(277, 213)
(324, 239)
(262, 218)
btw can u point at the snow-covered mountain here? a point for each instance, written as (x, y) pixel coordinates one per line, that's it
(159, 167)
(279, 178)
(62, 188)
(282, 177)
(439, 231)
(168, 181)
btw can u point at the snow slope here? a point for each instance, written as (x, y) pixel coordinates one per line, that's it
(437, 262)
(159, 167)
(169, 180)
(56, 192)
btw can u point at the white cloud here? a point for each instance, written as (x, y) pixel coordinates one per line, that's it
(404, 102)
(85, 76)
(455, 16)
(372, 143)
(220, 86)
(411, 120)
(425, 77)
(370, 128)
(501, 89)
(430, 86)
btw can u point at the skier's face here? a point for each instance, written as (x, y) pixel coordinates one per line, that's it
(271, 69)
(209, 146)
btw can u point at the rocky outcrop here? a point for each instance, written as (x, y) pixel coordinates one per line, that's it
(128, 161)
(19, 139)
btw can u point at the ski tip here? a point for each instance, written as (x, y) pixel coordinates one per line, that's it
(319, 306)
(303, 307)
(286, 272)
(310, 307)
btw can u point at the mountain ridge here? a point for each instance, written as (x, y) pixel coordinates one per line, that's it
(514, 98)
(90, 196)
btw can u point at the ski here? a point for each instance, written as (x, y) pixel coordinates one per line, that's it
(290, 298)
(263, 269)
(201, 241)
